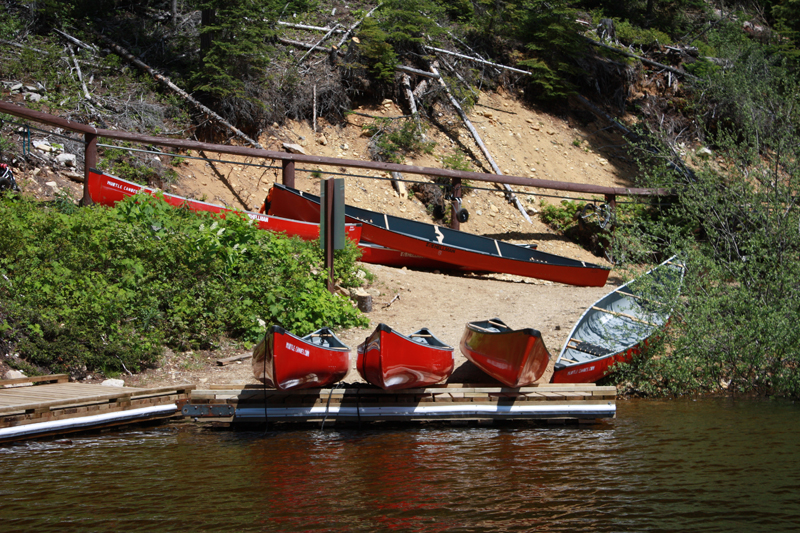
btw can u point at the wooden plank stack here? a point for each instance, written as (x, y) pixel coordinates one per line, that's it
(450, 402)
(23, 404)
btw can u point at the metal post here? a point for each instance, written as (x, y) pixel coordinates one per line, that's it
(288, 173)
(90, 162)
(611, 201)
(454, 223)
(328, 227)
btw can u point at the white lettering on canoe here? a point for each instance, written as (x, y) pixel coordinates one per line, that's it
(122, 187)
(297, 349)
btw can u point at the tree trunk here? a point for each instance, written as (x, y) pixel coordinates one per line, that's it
(207, 18)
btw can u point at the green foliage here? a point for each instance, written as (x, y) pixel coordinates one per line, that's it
(457, 161)
(628, 33)
(101, 288)
(552, 38)
(234, 49)
(563, 217)
(376, 51)
(739, 226)
(391, 140)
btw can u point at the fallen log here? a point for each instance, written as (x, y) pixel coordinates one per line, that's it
(509, 192)
(643, 59)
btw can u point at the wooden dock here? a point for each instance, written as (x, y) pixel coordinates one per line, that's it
(359, 403)
(55, 406)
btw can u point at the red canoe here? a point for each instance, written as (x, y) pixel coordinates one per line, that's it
(393, 361)
(107, 190)
(286, 361)
(515, 358)
(380, 255)
(464, 250)
(619, 325)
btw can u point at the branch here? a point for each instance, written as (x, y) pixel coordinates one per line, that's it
(643, 59)
(318, 44)
(80, 75)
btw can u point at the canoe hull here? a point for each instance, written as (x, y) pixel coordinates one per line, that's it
(287, 362)
(107, 190)
(515, 358)
(619, 325)
(464, 250)
(393, 361)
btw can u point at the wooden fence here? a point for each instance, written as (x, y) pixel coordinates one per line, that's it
(289, 160)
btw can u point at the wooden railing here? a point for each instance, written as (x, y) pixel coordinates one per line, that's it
(289, 160)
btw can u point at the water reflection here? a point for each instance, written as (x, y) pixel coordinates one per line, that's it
(667, 466)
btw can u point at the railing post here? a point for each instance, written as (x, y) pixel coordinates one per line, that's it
(454, 205)
(611, 201)
(90, 161)
(288, 172)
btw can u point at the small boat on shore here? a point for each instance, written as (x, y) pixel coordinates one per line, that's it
(105, 189)
(393, 361)
(288, 362)
(464, 250)
(619, 325)
(515, 358)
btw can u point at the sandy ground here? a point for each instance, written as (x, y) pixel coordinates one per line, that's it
(523, 141)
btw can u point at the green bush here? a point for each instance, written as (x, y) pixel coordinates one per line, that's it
(105, 289)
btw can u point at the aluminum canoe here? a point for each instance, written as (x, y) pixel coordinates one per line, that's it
(106, 189)
(464, 250)
(287, 362)
(393, 361)
(619, 325)
(515, 358)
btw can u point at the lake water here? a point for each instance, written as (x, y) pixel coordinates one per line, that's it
(705, 465)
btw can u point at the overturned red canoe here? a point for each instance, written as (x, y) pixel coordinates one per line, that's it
(515, 358)
(464, 250)
(393, 361)
(285, 361)
(107, 190)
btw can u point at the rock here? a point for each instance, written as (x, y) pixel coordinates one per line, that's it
(113, 383)
(14, 374)
(32, 97)
(704, 153)
(494, 208)
(15, 87)
(322, 140)
(52, 184)
(68, 160)
(294, 148)
(43, 146)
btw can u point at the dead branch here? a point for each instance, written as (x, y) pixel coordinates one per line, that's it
(183, 94)
(509, 192)
(80, 75)
(409, 70)
(10, 43)
(478, 60)
(307, 27)
(349, 32)
(75, 41)
(642, 59)
(318, 44)
(300, 44)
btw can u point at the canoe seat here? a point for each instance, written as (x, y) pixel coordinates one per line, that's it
(589, 348)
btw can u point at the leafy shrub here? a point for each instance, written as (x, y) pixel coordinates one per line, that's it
(104, 289)
(391, 140)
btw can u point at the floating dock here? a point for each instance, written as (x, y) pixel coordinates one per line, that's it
(359, 403)
(56, 407)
